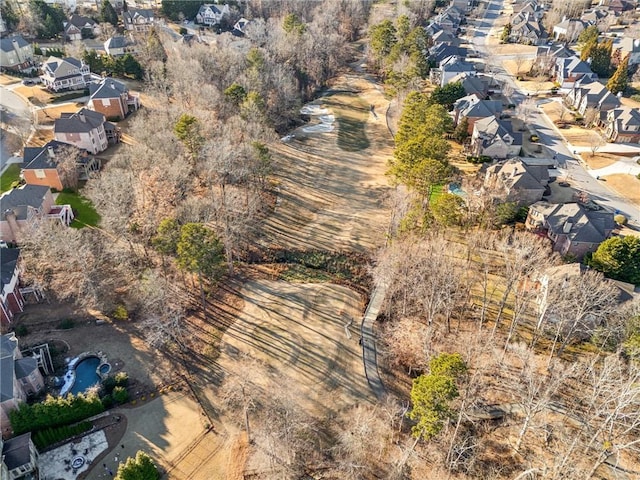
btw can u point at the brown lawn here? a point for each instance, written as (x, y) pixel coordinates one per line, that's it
(628, 102)
(577, 136)
(40, 137)
(600, 160)
(626, 185)
(47, 116)
(8, 80)
(36, 95)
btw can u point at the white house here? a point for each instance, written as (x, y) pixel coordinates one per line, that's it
(85, 129)
(138, 20)
(65, 73)
(210, 14)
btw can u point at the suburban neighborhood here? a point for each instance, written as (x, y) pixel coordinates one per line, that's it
(320, 239)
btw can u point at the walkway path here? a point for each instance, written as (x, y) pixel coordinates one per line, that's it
(369, 352)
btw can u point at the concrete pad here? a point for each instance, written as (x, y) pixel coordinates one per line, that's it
(53, 464)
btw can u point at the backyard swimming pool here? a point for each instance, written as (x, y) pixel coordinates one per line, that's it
(86, 375)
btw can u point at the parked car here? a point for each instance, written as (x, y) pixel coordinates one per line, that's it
(28, 82)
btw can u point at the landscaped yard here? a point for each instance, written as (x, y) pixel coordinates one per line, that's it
(83, 209)
(599, 160)
(11, 174)
(49, 115)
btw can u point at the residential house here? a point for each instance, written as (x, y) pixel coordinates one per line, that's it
(19, 378)
(463, 5)
(473, 84)
(239, 27)
(495, 138)
(441, 36)
(16, 53)
(449, 19)
(572, 228)
(628, 46)
(19, 458)
(85, 129)
(589, 93)
(569, 29)
(119, 45)
(622, 125)
(65, 73)
(138, 20)
(526, 29)
(560, 277)
(600, 17)
(41, 164)
(112, 98)
(67, 5)
(531, 7)
(547, 57)
(11, 300)
(569, 70)
(21, 206)
(211, 14)
(449, 68)
(474, 108)
(619, 6)
(522, 183)
(79, 27)
(441, 51)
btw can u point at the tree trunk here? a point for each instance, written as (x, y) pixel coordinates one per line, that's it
(204, 302)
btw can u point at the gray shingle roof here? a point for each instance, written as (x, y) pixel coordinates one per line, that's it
(38, 157)
(25, 367)
(82, 121)
(8, 44)
(19, 199)
(117, 42)
(16, 451)
(587, 226)
(8, 343)
(8, 261)
(107, 88)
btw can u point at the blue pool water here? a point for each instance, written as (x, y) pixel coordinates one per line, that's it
(86, 375)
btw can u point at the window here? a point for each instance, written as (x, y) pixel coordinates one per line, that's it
(40, 173)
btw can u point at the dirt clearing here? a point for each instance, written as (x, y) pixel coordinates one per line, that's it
(626, 185)
(299, 331)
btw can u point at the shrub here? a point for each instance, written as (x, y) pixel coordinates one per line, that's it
(120, 313)
(108, 384)
(49, 436)
(66, 324)
(120, 395)
(122, 379)
(107, 401)
(620, 219)
(183, 31)
(21, 330)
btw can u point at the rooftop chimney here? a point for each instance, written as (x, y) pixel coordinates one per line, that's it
(51, 152)
(566, 228)
(113, 85)
(82, 117)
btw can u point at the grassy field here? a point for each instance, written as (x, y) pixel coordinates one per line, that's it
(599, 160)
(85, 212)
(11, 174)
(352, 113)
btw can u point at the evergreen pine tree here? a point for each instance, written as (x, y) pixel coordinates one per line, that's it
(620, 78)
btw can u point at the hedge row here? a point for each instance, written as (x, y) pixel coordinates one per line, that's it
(49, 436)
(54, 412)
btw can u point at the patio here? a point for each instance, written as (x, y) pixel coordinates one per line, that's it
(68, 461)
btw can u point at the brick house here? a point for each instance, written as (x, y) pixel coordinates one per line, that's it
(572, 228)
(112, 98)
(11, 300)
(20, 206)
(85, 129)
(19, 378)
(41, 164)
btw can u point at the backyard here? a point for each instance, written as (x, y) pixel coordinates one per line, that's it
(9, 177)
(85, 212)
